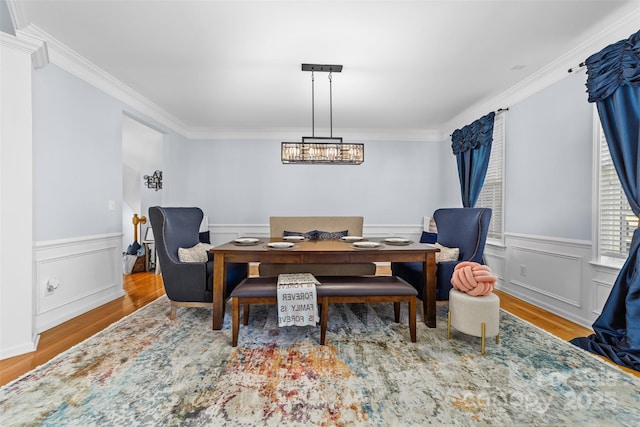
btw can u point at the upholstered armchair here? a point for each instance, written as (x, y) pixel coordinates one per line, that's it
(187, 284)
(462, 228)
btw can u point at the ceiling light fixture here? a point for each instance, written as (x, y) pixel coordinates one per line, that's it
(321, 149)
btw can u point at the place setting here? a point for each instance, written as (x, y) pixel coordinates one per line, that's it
(280, 245)
(397, 241)
(246, 241)
(294, 238)
(365, 244)
(351, 239)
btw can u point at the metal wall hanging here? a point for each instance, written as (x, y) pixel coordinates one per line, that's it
(154, 181)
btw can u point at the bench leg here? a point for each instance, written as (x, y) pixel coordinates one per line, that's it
(396, 312)
(235, 320)
(412, 318)
(323, 319)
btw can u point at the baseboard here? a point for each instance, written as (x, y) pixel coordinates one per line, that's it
(23, 348)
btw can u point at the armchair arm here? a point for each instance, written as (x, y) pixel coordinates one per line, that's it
(184, 281)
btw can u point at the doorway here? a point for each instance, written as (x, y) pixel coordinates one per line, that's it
(141, 155)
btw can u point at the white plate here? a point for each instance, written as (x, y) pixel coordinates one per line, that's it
(366, 245)
(247, 240)
(280, 245)
(396, 240)
(293, 238)
(351, 238)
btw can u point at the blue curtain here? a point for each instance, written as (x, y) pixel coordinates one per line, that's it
(613, 84)
(472, 147)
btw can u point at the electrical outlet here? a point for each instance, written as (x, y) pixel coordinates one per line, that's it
(52, 285)
(112, 205)
(523, 270)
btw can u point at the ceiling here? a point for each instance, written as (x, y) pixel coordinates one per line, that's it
(411, 68)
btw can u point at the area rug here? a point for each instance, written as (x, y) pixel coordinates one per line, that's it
(149, 370)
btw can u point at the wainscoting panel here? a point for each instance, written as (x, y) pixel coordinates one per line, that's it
(552, 273)
(556, 275)
(603, 279)
(222, 233)
(494, 257)
(74, 276)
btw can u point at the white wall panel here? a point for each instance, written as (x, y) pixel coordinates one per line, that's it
(556, 275)
(17, 332)
(86, 273)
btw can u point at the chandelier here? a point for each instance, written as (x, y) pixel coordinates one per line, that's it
(322, 149)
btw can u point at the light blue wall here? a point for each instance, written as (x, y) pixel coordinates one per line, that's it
(548, 162)
(77, 141)
(6, 26)
(78, 169)
(244, 182)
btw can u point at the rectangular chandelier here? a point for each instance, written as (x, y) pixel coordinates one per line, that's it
(322, 151)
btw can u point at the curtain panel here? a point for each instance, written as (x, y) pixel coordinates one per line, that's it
(472, 147)
(613, 83)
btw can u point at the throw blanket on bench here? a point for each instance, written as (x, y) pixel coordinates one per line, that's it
(297, 300)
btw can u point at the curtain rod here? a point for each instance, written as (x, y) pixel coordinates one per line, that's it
(576, 68)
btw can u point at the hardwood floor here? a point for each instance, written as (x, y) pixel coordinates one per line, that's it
(140, 289)
(143, 288)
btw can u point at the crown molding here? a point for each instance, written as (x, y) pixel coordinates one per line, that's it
(551, 73)
(18, 13)
(40, 57)
(69, 60)
(47, 49)
(26, 46)
(59, 54)
(291, 134)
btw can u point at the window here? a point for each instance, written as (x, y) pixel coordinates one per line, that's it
(492, 193)
(616, 221)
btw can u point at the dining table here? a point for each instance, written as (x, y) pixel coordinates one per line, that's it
(276, 250)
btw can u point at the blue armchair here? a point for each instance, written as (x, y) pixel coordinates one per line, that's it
(187, 284)
(463, 228)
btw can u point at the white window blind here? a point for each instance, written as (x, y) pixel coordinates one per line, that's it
(616, 219)
(492, 194)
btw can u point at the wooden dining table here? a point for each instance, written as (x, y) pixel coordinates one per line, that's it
(324, 251)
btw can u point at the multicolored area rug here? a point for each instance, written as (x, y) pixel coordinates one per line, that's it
(149, 370)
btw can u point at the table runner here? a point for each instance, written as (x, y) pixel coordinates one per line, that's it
(297, 300)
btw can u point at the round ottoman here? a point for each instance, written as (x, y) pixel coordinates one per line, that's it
(476, 316)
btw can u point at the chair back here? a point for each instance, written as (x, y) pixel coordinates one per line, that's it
(174, 228)
(464, 228)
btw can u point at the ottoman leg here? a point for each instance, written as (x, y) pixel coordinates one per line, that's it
(484, 330)
(449, 325)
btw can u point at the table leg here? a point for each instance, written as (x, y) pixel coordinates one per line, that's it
(429, 291)
(218, 290)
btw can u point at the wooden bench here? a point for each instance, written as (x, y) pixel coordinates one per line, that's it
(334, 289)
